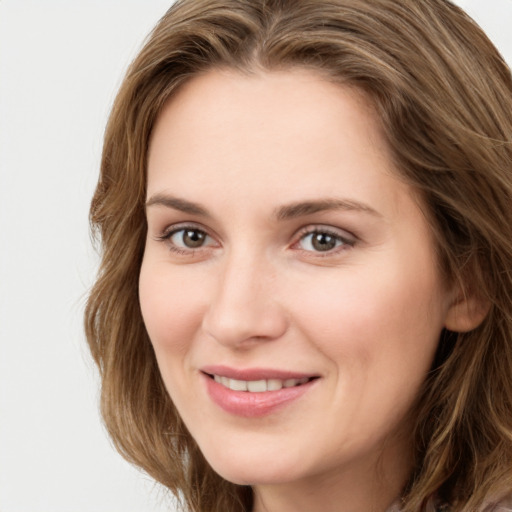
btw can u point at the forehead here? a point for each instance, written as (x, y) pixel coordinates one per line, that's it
(251, 99)
(289, 132)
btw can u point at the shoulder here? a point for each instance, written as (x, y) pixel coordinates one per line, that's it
(433, 505)
(504, 505)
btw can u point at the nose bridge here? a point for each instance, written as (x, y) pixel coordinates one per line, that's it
(245, 305)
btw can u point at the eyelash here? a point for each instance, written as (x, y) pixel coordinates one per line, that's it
(167, 235)
(343, 242)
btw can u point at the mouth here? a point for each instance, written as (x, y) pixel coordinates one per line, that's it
(255, 392)
(259, 386)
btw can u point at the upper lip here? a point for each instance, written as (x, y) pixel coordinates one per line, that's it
(252, 374)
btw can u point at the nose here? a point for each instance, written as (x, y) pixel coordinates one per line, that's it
(244, 307)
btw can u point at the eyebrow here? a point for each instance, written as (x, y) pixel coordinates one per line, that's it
(285, 212)
(177, 203)
(303, 208)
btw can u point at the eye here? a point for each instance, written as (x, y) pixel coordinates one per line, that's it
(321, 240)
(186, 239)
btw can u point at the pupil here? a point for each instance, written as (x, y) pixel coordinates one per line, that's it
(323, 242)
(193, 239)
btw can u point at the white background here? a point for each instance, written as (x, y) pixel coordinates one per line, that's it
(61, 62)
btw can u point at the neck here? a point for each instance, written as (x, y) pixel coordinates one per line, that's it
(371, 485)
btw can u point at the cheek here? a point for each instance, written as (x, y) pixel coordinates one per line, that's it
(380, 333)
(169, 308)
(389, 317)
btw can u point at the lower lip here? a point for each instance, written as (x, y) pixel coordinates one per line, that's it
(254, 405)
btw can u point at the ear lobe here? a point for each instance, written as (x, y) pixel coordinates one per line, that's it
(466, 312)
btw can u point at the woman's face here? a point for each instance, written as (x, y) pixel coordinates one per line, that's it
(289, 283)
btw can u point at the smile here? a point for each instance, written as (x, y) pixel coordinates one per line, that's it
(253, 393)
(259, 386)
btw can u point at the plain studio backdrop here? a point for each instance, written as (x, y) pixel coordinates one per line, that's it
(61, 62)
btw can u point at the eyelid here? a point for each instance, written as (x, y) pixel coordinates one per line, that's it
(178, 226)
(169, 231)
(348, 238)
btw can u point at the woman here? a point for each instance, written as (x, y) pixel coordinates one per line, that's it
(304, 300)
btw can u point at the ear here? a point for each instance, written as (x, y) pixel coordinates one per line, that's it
(466, 312)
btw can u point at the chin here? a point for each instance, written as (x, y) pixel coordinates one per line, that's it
(243, 471)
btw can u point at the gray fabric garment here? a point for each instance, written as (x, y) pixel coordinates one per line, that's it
(433, 506)
(504, 505)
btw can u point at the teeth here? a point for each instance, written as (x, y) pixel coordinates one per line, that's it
(238, 385)
(259, 386)
(274, 384)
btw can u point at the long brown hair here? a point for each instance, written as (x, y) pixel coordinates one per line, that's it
(444, 98)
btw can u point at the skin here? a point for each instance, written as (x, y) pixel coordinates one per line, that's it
(364, 316)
